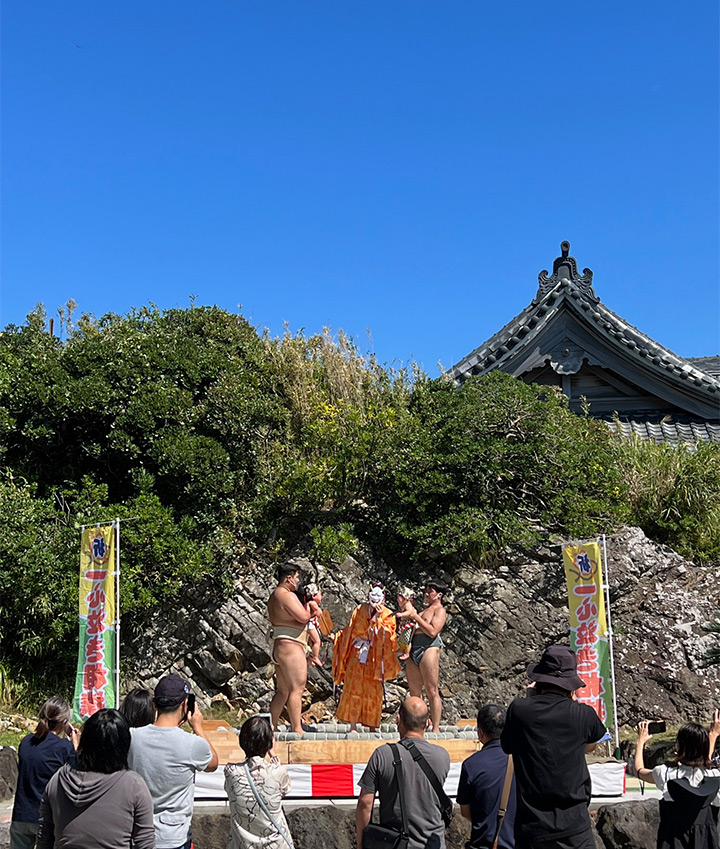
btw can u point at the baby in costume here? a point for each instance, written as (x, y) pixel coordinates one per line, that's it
(405, 628)
(312, 597)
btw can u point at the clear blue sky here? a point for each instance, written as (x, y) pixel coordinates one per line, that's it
(407, 167)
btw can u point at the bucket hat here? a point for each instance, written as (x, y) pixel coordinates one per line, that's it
(558, 666)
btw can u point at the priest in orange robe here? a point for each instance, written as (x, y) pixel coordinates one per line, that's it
(364, 658)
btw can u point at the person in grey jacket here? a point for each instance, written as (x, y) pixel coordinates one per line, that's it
(101, 804)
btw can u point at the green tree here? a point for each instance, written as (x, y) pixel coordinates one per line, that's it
(175, 398)
(494, 463)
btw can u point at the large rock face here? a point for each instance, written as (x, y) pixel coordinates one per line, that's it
(320, 826)
(499, 619)
(629, 825)
(8, 772)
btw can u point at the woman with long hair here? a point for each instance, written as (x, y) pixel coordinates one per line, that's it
(256, 788)
(100, 804)
(690, 787)
(40, 756)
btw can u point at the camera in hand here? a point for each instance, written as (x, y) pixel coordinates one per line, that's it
(657, 727)
(191, 704)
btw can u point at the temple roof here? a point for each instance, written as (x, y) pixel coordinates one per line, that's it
(709, 364)
(665, 428)
(568, 328)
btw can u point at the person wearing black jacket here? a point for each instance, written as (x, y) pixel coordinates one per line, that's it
(548, 735)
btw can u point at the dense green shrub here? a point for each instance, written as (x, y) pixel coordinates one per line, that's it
(674, 493)
(39, 564)
(174, 397)
(38, 576)
(494, 463)
(343, 409)
(332, 543)
(214, 442)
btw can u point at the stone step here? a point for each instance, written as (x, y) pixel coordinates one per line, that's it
(321, 747)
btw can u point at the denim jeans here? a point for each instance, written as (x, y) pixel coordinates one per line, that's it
(23, 835)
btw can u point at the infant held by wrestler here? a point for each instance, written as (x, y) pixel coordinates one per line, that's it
(312, 599)
(405, 627)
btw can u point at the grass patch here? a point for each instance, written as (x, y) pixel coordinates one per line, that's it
(11, 738)
(628, 732)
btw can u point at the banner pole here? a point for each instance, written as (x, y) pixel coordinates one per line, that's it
(117, 612)
(610, 646)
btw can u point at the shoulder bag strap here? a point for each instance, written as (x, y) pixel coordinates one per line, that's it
(264, 807)
(504, 798)
(444, 799)
(397, 765)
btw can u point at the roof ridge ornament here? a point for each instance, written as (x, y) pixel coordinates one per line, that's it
(565, 268)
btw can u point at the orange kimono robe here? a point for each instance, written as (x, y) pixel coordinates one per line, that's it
(364, 657)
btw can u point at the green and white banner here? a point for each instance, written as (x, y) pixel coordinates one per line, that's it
(589, 635)
(95, 679)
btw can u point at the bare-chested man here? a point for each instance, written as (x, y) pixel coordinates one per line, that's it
(423, 665)
(290, 646)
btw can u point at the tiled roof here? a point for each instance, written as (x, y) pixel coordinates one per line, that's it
(692, 385)
(566, 287)
(665, 428)
(709, 364)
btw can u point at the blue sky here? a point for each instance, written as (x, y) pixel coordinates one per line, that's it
(407, 167)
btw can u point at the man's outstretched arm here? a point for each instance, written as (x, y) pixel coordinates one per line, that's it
(195, 720)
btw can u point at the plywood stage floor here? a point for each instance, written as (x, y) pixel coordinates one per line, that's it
(324, 751)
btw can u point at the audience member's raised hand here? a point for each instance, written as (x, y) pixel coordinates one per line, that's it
(715, 724)
(643, 733)
(195, 719)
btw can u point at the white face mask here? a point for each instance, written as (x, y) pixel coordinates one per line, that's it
(376, 596)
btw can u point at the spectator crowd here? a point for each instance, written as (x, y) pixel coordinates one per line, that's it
(127, 780)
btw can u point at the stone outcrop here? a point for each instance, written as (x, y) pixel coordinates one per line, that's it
(8, 772)
(499, 619)
(312, 827)
(626, 825)
(629, 825)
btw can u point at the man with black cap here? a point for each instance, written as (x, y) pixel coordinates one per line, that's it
(168, 758)
(548, 735)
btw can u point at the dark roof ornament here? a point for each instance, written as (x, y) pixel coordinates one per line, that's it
(565, 268)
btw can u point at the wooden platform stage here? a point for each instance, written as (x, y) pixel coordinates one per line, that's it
(331, 769)
(321, 751)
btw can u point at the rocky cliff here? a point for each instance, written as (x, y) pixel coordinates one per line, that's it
(500, 618)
